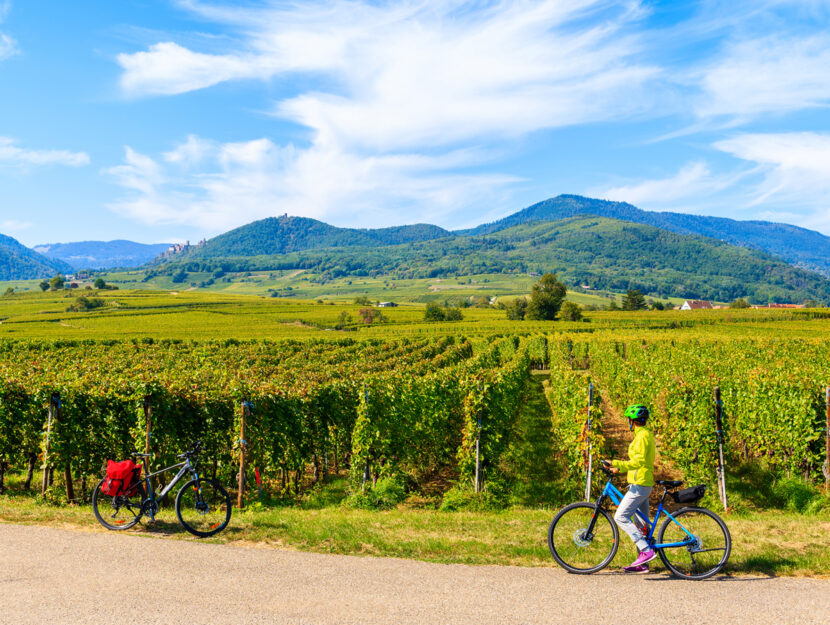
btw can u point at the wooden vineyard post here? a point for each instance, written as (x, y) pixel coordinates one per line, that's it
(827, 444)
(246, 408)
(49, 421)
(588, 430)
(67, 468)
(719, 432)
(478, 456)
(148, 416)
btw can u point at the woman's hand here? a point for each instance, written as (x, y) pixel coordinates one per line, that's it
(607, 464)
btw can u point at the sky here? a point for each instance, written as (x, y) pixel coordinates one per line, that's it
(173, 120)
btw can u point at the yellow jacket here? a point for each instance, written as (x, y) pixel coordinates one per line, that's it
(640, 464)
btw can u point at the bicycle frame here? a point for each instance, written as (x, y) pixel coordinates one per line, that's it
(186, 467)
(611, 492)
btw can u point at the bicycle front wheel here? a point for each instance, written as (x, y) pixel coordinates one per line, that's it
(203, 507)
(709, 551)
(117, 513)
(573, 548)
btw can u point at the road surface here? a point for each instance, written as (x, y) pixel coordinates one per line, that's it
(56, 576)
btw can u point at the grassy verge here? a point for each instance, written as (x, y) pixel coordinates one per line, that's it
(767, 543)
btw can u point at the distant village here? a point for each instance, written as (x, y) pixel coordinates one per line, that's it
(699, 304)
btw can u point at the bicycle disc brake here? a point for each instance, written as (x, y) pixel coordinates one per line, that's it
(696, 546)
(579, 537)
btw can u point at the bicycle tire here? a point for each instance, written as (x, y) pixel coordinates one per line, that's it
(676, 564)
(117, 503)
(567, 532)
(219, 503)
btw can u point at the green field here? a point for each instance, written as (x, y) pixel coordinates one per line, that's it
(401, 396)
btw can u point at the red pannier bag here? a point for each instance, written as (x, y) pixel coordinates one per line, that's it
(122, 478)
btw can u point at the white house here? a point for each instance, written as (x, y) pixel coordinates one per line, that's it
(696, 304)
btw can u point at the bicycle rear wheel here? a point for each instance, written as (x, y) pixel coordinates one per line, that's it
(707, 555)
(119, 512)
(203, 507)
(572, 548)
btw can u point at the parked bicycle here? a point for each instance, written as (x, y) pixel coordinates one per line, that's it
(693, 542)
(202, 505)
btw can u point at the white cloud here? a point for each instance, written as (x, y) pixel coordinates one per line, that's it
(769, 75)
(216, 186)
(416, 73)
(14, 225)
(13, 154)
(8, 46)
(794, 171)
(693, 181)
(399, 97)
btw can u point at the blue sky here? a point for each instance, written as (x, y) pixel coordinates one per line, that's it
(166, 120)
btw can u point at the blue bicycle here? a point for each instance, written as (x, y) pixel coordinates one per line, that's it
(693, 542)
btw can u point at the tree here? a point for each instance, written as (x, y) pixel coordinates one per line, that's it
(434, 312)
(453, 314)
(657, 305)
(739, 303)
(546, 298)
(179, 277)
(634, 300)
(570, 312)
(370, 315)
(517, 309)
(9, 291)
(613, 306)
(56, 282)
(99, 283)
(44, 286)
(344, 320)
(362, 300)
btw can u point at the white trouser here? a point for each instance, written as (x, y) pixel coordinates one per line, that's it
(635, 499)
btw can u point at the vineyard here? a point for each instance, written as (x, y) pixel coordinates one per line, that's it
(437, 406)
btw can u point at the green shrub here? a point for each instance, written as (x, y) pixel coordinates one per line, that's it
(387, 493)
(494, 497)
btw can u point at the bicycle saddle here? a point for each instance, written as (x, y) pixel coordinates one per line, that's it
(669, 483)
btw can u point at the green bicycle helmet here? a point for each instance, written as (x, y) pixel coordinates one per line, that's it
(637, 411)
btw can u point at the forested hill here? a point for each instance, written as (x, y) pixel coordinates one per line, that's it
(598, 252)
(799, 246)
(102, 254)
(18, 262)
(279, 235)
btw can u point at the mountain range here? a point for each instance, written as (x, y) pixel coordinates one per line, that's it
(102, 254)
(18, 262)
(802, 247)
(598, 252)
(609, 245)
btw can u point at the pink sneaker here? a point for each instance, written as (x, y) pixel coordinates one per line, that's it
(643, 568)
(645, 556)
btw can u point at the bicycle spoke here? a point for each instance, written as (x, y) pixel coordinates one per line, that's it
(571, 544)
(203, 510)
(709, 551)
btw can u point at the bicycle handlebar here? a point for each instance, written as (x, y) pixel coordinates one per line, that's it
(195, 448)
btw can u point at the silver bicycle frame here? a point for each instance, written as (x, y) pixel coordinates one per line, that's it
(186, 467)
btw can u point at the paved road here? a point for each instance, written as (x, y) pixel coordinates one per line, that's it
(53, 576)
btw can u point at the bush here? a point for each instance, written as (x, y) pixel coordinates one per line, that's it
(179, 277)
(434, 312)
(387, 493)
(796, 494)
(570, 312)
(82, 304)
(517, 309)
(494, 497)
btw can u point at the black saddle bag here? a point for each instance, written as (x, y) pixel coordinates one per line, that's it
(689, 495)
